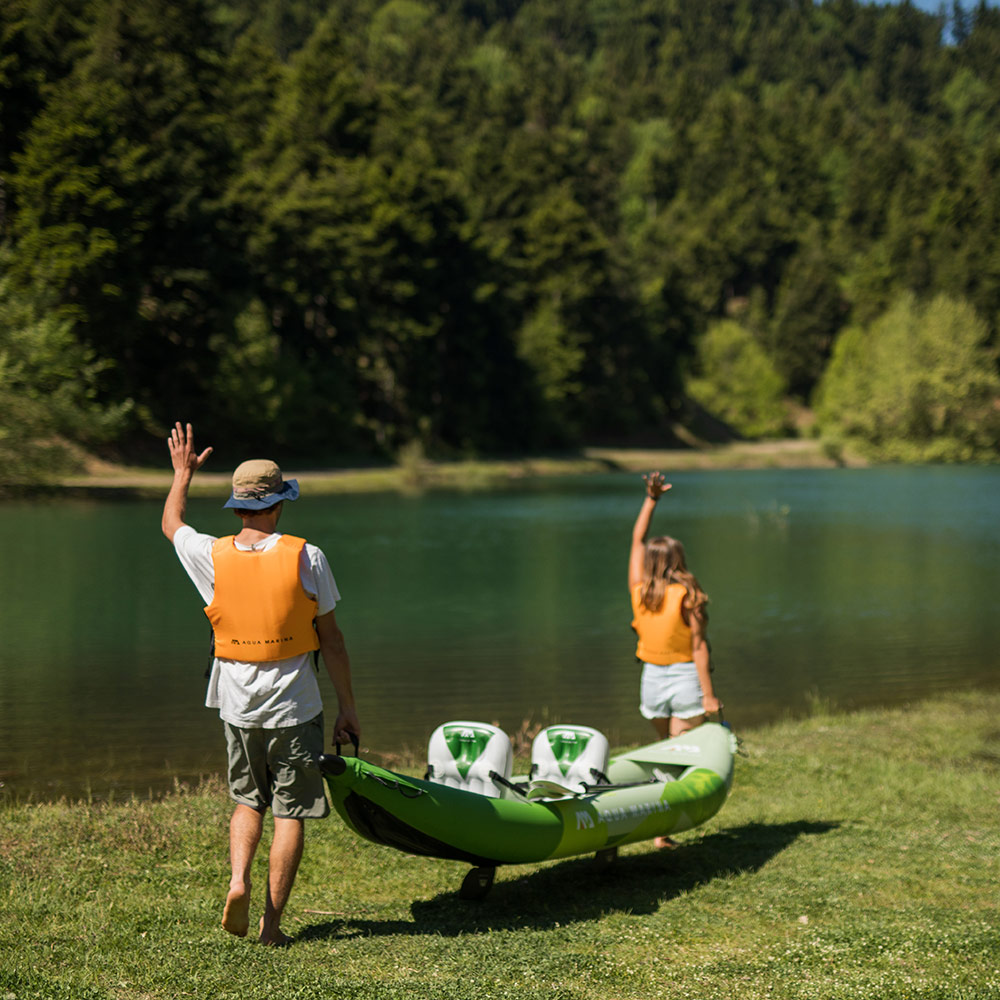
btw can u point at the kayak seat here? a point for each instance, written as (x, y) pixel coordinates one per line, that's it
(571, 756)
(464, 754)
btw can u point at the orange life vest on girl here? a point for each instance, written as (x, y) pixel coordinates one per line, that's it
(260, 611)
(664, 636)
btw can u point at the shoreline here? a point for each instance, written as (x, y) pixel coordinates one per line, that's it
(418, 473)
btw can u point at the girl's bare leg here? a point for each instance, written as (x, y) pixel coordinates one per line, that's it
(672, 726)
(662, 727)
(678, 726)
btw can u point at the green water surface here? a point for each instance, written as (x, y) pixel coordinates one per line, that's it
(859, 587)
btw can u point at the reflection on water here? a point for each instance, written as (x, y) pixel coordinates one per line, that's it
(858, 586)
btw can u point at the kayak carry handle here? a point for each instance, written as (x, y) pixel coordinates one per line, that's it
(354, 741)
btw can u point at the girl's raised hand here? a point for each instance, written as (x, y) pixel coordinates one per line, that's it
(656, 485)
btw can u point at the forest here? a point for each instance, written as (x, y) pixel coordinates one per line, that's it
(332, 229)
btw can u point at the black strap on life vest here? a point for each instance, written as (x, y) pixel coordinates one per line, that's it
(211, 652)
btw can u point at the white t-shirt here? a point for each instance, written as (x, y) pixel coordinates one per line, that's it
(273, 693)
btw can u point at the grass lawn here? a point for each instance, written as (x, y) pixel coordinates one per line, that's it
(857, 856)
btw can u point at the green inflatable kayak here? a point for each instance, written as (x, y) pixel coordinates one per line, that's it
(575, 800)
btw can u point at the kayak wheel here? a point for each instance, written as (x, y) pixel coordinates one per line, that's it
(604, 859)
(477, 883)
(332, 764)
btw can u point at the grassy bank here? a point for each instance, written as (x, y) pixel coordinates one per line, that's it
(415, 472)
(858, 856)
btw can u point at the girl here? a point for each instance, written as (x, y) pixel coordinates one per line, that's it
(670, 619)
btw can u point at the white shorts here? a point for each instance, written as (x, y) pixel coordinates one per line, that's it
(673, 690)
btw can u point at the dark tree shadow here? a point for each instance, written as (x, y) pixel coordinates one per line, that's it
(576, 890)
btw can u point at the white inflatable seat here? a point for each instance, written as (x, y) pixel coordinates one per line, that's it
(462, 755)
(572, 757)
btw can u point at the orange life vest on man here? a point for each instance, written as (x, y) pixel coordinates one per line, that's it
(260, 611)
(664, 635)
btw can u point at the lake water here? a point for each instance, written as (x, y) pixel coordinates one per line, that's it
(861, 587)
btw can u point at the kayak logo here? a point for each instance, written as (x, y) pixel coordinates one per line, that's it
(584, 821)
(686, 748)
(634, 813)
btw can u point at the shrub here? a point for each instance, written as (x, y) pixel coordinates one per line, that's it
(919, 384)
(736, 382)
(48, 391)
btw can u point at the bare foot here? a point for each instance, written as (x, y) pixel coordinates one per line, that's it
(665, 844)
(236, 915)
(274, 938)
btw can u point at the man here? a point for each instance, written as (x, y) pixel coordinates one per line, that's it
(270, 598)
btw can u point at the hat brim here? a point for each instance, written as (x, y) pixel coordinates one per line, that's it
(289, 491)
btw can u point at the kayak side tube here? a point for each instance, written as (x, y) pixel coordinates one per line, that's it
(669, 787)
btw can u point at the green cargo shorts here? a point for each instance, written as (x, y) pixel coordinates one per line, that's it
(278, 768)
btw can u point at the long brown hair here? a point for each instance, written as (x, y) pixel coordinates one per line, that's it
(666, 563)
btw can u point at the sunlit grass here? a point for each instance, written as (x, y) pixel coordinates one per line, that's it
(858, 856)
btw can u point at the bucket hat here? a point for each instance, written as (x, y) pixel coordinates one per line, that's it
(257, 484)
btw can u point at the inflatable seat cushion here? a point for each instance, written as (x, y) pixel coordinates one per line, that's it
(462, 755)
(574, 756)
